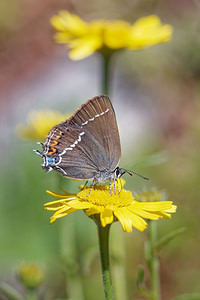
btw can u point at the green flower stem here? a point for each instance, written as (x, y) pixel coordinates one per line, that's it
(31, 294)
(106, 72)
(103, 233)
(154, 261)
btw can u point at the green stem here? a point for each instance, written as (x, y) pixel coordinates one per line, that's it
(154, 263)
(106, 73)
(103, 233)
(31, 294)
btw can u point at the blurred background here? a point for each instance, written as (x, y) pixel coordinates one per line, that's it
(156, 96)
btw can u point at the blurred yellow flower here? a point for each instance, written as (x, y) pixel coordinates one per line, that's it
(150, 195)
(148, 31)
(39, 123)
(120, 206)
(84, 38)
(31, 275)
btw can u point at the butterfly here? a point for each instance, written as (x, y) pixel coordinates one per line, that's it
(87, 145)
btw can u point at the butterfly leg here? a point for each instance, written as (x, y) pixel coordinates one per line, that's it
(111, 180)
(94, 182)
(120, 184)
(84, 185)
(115, 186)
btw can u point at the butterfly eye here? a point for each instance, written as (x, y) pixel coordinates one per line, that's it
(117, 172)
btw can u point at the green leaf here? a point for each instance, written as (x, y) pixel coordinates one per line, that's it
(188, 297)
(166, 239)
(10, 292)
(140, 277)
(141, 285)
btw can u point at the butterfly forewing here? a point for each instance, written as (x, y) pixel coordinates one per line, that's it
(97, 117)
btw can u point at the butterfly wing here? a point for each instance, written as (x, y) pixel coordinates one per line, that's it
(86, 144)
(97, 117)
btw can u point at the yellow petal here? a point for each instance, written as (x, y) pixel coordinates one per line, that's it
(63, 210)
(129, 220)
(69, 23)
(145, 214)
(106, 217)
(153, 206)
(52, 208)
(61, 195)
(60, 215)
(149, 31)
(147, 23)
(137, 221)
(172, 209)
(62, 37)
(93, 211)
(126, 223)
(164, 215)
(77, 204)
(116, 34)
(85, 47)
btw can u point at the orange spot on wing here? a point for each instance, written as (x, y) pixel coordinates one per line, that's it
(54, 143)
(53, 150)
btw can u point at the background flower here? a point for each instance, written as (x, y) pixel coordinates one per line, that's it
(84, 38)
(31, 275)
(39, 123)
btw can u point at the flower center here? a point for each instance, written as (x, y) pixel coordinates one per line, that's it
(100, 196)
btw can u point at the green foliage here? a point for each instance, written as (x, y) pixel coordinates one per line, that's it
(167, 238)
(10, 292)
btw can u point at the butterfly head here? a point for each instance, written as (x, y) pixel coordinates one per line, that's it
(49, 162)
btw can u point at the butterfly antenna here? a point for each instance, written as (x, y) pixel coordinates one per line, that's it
(131, 173)
(38, 152)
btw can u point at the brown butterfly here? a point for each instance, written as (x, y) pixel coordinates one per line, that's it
(87, 145)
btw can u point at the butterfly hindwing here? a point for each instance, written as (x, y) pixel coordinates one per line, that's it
(86, 144)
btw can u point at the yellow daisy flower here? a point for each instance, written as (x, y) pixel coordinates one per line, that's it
(39, 123)
(84, 38)
(120, 206)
